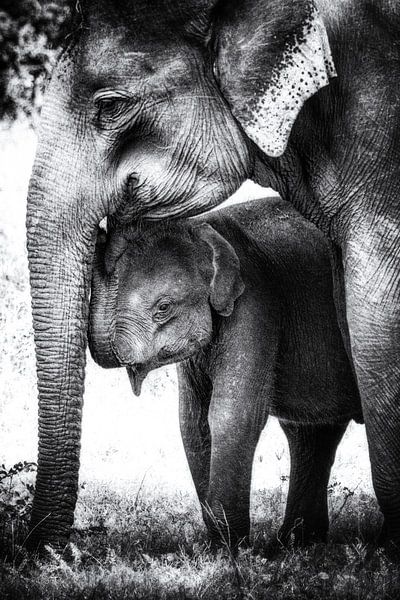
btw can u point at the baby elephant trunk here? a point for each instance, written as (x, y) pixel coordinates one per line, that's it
(103, 303)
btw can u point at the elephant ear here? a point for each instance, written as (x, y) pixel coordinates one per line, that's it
(226, 282)
(271, 56)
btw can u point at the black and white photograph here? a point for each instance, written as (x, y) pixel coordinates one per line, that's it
(199, 299)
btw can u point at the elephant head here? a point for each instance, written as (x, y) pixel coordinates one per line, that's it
(152, 112)
(153, 293)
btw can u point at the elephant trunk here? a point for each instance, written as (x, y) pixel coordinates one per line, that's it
(103, 304)
(60, 249)
(60, 291)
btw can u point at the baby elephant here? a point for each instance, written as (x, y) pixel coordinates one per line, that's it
(243, 299)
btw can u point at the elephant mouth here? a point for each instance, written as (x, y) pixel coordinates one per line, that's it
(137, 374)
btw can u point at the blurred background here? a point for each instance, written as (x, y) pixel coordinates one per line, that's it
(126, 440)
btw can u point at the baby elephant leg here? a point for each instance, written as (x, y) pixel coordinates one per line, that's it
(312, 453)
(234, 434)
(194, 400)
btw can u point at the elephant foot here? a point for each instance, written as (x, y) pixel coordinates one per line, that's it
(299, 533)
(389, 543)
(231, 542)
(226, 530)
(287, 539)
(222, 535)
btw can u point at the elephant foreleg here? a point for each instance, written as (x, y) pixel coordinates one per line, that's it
(194, 400)
(235, 431)
(312, 453)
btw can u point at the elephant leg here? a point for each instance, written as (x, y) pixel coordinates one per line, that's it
(312, 453)
(372, 276)
(194, 401)
(235, 433)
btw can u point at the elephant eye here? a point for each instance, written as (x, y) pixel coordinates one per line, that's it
(164, 307)
(110, 104)
(163, 310)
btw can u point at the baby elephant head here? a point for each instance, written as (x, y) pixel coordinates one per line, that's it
(153, 293)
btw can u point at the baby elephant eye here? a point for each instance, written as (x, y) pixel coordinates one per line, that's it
(163, 310)
(163, 307)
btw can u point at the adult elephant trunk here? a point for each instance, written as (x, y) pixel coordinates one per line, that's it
(60, 249)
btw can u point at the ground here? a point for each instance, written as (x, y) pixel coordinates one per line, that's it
(138, 530)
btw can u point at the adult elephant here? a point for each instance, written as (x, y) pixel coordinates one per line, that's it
(160, 109)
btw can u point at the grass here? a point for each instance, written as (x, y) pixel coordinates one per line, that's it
(138, 529)
(139, 544)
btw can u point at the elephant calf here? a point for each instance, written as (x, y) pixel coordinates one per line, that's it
(243, 299)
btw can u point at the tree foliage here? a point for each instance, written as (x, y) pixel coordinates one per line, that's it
(31, 33)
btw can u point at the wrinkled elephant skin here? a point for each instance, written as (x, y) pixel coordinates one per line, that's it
(162, 109)
(242, 299)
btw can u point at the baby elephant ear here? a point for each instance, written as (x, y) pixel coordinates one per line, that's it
(226, 283)
(270, 58)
